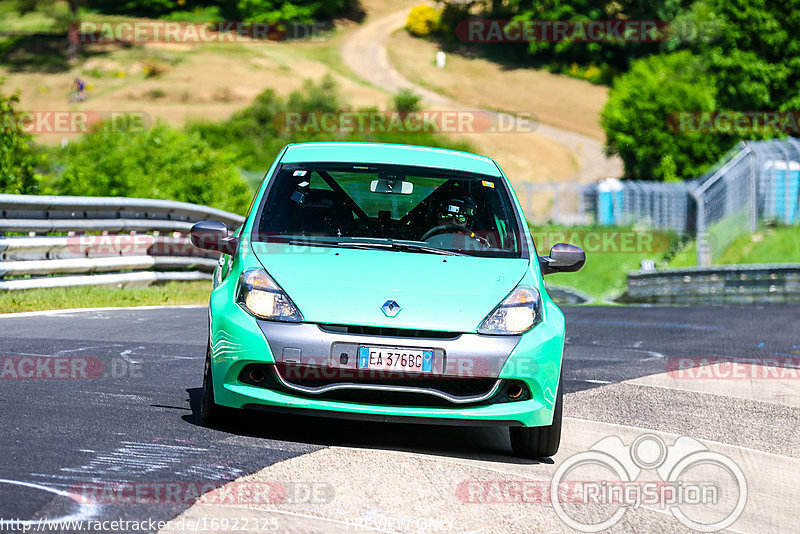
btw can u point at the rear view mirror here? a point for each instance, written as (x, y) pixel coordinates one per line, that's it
(398, 187)
(563, 258)
(213, 235)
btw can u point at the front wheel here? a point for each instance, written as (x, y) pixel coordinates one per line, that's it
(539, 441)
(210, 411)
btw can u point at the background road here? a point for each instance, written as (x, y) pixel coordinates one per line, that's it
(365, 53)
(138, 421)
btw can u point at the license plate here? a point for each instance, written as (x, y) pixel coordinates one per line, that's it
(395, 359)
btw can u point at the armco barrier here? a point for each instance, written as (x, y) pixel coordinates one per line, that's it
(723, 284)
(109, 241)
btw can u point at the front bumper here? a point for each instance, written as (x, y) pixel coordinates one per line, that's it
(239, 340)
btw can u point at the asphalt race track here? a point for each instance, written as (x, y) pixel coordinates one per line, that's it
(130, 415)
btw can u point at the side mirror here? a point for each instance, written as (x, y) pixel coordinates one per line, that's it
(563, 258)
(213, 235)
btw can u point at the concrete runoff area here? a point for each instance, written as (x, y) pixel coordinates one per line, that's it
(398, 491)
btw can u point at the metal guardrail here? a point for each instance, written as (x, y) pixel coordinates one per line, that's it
(116, 236)
(36, 207)
(733, 284)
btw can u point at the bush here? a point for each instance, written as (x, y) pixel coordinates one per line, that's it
(198, 14)
(637, 114)
(423, 21)
(256, 134)
(17, 159)
(591, 73)
(156, 93)
(161, 162)
(316, 97)
(154, 68)
(138, 8)
(271, 11)
(406, 101)
(296, 11)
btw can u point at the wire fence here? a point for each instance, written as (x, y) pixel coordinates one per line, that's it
(555, 203)
(757, 180)
(610, 202)
(725, 205)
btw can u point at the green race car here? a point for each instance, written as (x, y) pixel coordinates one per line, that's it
(389, 283)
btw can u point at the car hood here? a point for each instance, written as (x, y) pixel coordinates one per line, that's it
(349, 286)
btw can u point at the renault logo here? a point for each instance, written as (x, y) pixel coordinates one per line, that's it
(391, 308)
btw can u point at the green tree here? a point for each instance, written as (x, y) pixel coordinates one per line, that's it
(751, 48)
(18, 161)
(610, 56)
(141, 8)
(160, 162)
(721, 55)
(641, 105)
(300, 11)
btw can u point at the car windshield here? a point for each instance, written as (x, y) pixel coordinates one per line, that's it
(409, 209)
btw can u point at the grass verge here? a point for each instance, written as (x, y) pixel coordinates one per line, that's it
(171, 293)
(604, 275)
(780, 244)
(770, 244)
(610, 253)
(602, 278)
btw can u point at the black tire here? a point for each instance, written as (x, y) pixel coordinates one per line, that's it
(539, 441)
(210, 412)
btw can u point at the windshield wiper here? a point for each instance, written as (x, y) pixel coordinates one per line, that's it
(312, 242)
(398, 245)
(425, 248)
(376, 245)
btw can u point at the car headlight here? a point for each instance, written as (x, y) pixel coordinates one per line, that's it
(262, 297)
(519, 312)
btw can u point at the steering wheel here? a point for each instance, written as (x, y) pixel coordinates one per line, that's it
(445, 228)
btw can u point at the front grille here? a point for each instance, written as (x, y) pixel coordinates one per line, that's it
(387, 332)
(457, 387)
(386, 398)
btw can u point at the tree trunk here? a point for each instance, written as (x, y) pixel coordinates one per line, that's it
(74, 32)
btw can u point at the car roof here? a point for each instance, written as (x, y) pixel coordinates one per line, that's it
(386, 153)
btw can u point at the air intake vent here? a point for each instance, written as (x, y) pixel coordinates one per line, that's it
(388, 332)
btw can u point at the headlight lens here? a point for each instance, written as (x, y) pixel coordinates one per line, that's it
(262, 297)
(518, 313)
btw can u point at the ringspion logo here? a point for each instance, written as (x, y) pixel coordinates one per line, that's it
(691, 480)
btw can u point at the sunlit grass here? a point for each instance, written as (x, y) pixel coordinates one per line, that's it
(171, 293)
(779, 244)
(609, 255)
